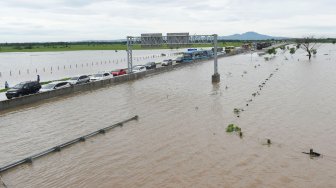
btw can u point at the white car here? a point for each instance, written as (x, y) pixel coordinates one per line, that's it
(139, 68)
(79, 80)
(167, 62)
(100, 76)
(54, 85)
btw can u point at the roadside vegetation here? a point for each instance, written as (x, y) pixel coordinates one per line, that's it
(77, 46)
(3, 90)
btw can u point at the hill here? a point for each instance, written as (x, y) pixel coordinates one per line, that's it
(249, 36)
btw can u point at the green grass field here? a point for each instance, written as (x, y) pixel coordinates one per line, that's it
(77, 47)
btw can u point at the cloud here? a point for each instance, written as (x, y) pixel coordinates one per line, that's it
(55, 20)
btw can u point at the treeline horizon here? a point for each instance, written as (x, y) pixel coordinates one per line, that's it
(63, 43)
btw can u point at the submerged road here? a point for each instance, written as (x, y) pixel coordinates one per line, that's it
(180, 138)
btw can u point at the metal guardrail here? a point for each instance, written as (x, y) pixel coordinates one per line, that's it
(64, 145)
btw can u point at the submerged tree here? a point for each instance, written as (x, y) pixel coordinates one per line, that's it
(271, 51)
(308, 44)
(292, 51)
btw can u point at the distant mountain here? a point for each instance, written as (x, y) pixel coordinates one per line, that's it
(249, 36)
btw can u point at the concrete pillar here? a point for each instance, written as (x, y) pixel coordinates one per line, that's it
(215, 76)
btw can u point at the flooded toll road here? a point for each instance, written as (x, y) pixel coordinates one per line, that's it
(180, 138)
(16, 67)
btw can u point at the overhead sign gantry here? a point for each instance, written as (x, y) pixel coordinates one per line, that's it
(173, 40)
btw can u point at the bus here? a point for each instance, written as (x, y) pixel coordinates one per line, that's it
(190, 56)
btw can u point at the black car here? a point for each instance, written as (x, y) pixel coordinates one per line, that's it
(23, 88)
(150, 65)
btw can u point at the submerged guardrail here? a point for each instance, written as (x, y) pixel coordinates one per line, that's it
(64, 145)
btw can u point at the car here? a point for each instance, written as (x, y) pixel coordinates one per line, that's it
(100, 76)
(23, 88)
(79, 79)
(167, 62)
(54, 85)
(118, 72)
(179, 60)
(150, 65)
(139, 68)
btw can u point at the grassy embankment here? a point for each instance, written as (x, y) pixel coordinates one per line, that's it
(3, 90)
(50, 47)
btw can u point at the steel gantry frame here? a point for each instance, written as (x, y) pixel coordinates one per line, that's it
(157, 41)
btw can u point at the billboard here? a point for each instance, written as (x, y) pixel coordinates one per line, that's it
(177, 39)
(151, 39)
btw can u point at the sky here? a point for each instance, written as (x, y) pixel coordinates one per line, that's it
(76, 20)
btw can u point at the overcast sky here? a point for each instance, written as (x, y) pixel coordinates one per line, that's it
(74, 20)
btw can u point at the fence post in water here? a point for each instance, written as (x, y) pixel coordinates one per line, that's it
(36, 70)
(43, 69)
(0, 74)
(57, 67)
(19, 72)
(10, 73)
(27, 71)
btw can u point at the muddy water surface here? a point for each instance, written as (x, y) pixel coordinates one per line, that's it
(180, 138)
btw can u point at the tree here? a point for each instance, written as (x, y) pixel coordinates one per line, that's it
(333, 41)
(308, 44)
(292, 51)
(271, 51)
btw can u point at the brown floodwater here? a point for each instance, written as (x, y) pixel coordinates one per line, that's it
(180, 139)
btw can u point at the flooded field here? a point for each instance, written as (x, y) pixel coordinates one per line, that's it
(180, 139)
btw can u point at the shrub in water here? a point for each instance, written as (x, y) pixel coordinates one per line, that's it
(232, 128)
